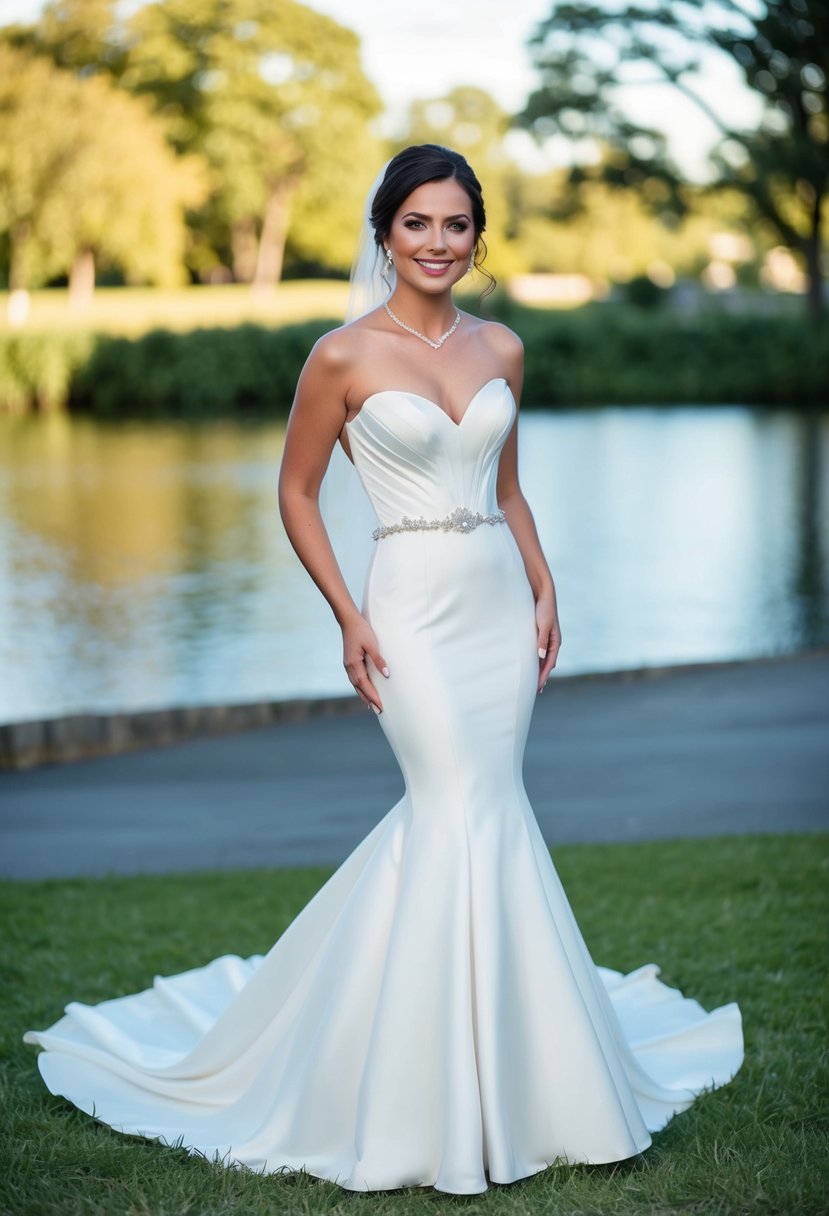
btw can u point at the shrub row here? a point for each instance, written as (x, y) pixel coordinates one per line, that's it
(614, 355)
(198, 374)
(37, 371)
(603, 354)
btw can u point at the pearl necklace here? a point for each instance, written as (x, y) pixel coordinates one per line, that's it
(435, 344)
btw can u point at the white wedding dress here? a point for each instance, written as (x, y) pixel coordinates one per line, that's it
(432, 1016)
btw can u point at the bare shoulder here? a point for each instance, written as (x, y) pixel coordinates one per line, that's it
(503, 344)
(333, 353)
(502, 339)
(329, 369)
(498, 338)
(338, 352)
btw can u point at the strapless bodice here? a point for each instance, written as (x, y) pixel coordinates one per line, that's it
(414, 460)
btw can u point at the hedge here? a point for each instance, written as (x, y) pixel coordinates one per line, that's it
(601, 354)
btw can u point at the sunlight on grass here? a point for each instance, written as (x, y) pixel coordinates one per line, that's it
(134, 310)
(728, 919)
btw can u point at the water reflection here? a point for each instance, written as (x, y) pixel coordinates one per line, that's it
(144, 564)
(808, 584)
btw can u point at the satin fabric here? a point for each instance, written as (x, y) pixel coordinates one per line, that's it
(432, 1016)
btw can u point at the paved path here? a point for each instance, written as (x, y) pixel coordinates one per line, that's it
(697, 751)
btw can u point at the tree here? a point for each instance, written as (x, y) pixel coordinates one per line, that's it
(584, 52)
(271, 95)
(85, 172)
(82, 36)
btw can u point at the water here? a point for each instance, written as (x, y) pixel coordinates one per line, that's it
(144, 564)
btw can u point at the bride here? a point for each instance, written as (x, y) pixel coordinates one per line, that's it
(432, 1016)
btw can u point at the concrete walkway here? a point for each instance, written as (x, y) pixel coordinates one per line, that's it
(695, 751)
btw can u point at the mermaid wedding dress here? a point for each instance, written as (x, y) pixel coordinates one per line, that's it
(432, 1016)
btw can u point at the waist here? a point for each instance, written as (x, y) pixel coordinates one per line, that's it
(459, 520)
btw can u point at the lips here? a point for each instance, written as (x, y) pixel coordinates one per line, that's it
(432, 267)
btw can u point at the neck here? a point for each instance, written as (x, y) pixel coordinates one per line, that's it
(431, 314)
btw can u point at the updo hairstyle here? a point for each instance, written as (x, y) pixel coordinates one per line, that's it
(415, 166)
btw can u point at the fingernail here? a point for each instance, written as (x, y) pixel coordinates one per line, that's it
(376, 710)
(542, 654)
(386, 672)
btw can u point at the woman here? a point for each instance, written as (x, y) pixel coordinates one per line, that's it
(432, 1017)
(429, 230)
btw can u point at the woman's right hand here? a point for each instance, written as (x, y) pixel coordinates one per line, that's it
(359, 643)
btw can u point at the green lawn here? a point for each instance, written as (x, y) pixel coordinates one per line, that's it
(134, 310)
(736, 918)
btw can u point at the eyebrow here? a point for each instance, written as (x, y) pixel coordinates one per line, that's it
(418, 215)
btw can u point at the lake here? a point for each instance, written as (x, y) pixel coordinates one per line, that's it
(144, 564)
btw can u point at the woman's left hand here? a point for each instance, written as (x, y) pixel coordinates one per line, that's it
(549, 636)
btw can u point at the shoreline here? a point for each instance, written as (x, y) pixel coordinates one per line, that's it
(32, 743)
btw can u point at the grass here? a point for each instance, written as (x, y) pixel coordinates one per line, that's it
(734, 918)
(132, 311)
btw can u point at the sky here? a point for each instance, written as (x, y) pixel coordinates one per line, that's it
(423, 50)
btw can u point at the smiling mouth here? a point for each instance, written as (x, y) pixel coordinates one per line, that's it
(429, 265)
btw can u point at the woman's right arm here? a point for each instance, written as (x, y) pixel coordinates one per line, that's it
(316, 419)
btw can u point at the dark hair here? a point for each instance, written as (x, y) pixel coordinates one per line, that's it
(415, 166)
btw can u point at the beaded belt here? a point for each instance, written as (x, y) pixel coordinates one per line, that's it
(460, 520)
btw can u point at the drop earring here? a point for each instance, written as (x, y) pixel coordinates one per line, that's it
(387, 266)
(471, 265)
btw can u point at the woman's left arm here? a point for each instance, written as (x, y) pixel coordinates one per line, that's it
(520, 519)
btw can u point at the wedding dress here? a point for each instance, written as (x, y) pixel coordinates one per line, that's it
(433, 1015)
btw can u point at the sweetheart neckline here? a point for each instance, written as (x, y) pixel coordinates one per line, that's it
(407, 393)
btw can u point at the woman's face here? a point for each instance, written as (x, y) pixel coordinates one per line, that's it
(432, 236)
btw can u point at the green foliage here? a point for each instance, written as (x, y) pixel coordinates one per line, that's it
(37, 370)
(266, 104)
(607, 354)
(585, 51)
(642, 292)
(729, 919)
(80, 35)
(590, 228)
(600, 354)
(273, 97)
(784, 165)
(270, 117)
(99, 178)
(203, 373)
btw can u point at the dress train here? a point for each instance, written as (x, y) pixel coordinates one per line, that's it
(432, 1016)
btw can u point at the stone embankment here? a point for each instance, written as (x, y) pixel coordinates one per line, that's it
(81, 736)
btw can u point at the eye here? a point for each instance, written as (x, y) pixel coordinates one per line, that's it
(459, 225)
(414, 223)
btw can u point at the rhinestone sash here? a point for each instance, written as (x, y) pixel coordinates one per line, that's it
(460, 520)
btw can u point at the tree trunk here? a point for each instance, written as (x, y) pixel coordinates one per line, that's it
(243, 245)
(271, 253)
(18, 239)
(814, 270)
(82, 280)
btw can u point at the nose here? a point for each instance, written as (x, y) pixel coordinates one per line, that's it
(438, 241)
